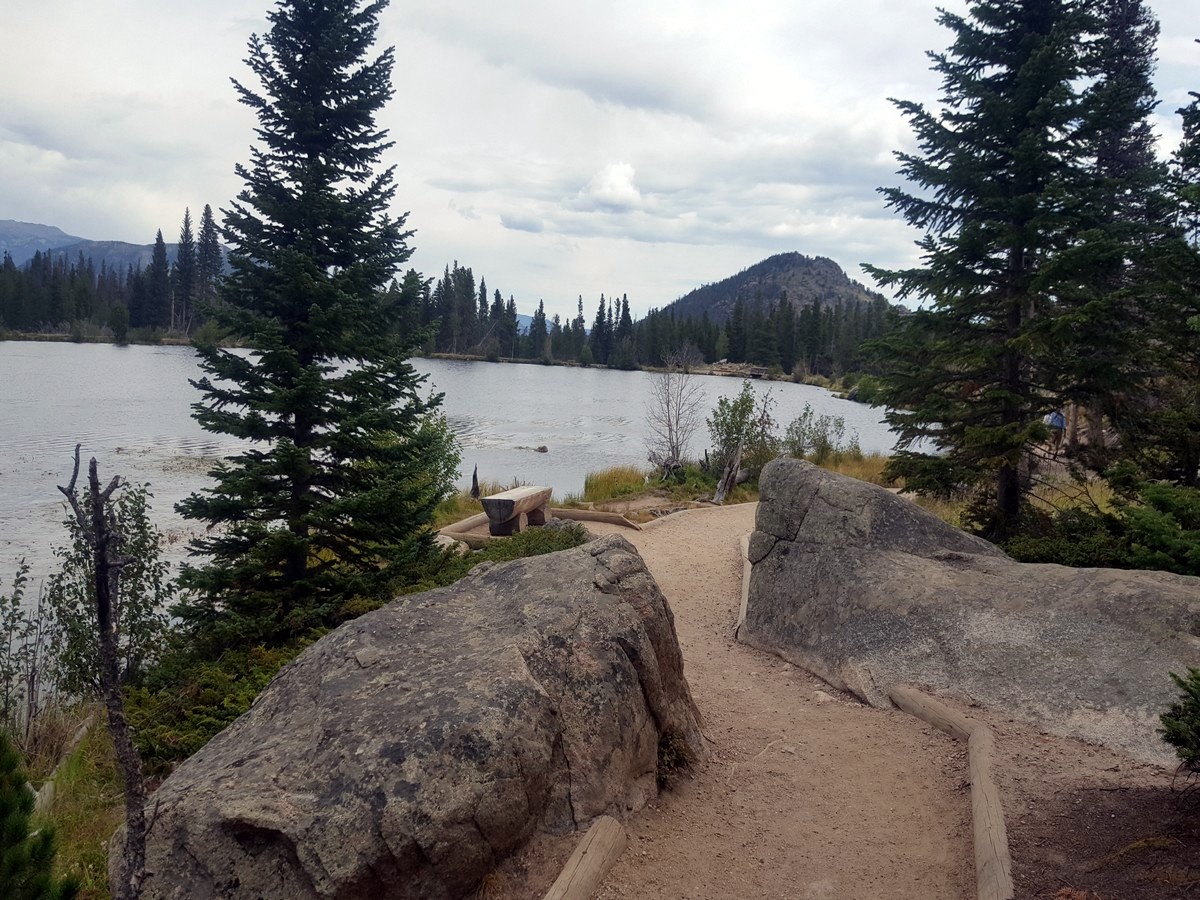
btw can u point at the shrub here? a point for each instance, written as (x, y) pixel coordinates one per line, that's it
(821, 439)
(1181, 723)
(747, 420)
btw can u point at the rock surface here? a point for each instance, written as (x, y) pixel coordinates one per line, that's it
(867, 590)
(407, 752)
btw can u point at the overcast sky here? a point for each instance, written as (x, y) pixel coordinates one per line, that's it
(558, 148)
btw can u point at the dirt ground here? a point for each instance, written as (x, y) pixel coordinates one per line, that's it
(809, 795)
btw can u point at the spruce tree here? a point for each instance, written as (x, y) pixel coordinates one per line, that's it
(1096, 330)
(994, 170)
(208, 261)
(346, 457)
(26, 855)
(184, 277)
(158, 286)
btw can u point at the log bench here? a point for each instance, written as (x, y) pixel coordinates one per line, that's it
(510, 512)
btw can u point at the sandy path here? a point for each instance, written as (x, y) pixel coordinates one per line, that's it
(804, 797)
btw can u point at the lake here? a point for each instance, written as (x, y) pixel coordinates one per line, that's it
(130, 408)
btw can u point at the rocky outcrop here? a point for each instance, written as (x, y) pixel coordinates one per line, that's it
(408, 752)
(867, 590)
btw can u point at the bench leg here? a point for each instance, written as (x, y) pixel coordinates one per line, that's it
(538, 516)
(509, 526)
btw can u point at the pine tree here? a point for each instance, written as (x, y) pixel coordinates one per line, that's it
(158, 286)
(184, 277)
(1096, 327)
(347, 459)
(26, 859)
(208, 261)
(994, 168)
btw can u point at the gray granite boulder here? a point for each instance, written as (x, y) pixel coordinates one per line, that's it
(867, 590)
(409, 751)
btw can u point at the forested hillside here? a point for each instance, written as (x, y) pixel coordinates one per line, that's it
(804, 280)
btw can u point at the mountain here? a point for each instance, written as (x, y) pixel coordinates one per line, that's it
(118, 255)
(805, 279)
(23, 239)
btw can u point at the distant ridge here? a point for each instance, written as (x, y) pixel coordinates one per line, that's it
(805, 279)
(23, 239)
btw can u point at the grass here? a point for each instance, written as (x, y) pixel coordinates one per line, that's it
(614, 483)
(89, 805)
(864, 467)
(460, 505)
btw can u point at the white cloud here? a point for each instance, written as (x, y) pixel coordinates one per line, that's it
(556, 147)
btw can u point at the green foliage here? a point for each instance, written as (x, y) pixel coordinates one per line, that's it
(345, 459)
(1153, 526)
(118, 321)
(1071, 537)
(144, 593)
(821, 439)
(88, 808)
(186, 700)
(1181, 723)
(744, 419)
(1163, 526)
(451, 566)
(26, 859)
(16, 648)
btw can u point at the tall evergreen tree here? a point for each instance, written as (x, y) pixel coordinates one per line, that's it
(346, 461)
(208, 261)
(1096, 328)
(184, 277)
(994, 167)
(158, 286)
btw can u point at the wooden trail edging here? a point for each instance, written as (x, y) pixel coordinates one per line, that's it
(993, 864)
(595, 854)
(461, 530)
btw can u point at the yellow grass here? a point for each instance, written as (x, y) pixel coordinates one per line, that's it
(460, 505)
(618, 481)
(864, 467)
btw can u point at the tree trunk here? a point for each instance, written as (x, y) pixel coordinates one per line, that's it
(101, 534)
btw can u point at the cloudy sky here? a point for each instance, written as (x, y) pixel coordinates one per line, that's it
(558, 148)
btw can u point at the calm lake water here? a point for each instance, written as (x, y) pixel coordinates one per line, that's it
(130, 408)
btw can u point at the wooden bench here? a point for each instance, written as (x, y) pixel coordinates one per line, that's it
(512, 511)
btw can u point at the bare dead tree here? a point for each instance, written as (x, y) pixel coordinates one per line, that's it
(673, 409)
(99, 526)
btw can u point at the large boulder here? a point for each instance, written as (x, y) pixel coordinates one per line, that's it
(408, 752)
(867, 590)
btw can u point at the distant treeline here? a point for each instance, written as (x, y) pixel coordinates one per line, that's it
(817, 338)
(52, 293)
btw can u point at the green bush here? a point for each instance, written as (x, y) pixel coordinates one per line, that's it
(1071, 537)
(1163, 526)
(821, 439)
(744, 419)
(184, 701)
(1181, 723)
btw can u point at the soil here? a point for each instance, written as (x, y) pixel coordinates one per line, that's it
(808, 794)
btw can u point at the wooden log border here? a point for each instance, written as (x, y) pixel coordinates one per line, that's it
(594, 855)
(993, 864)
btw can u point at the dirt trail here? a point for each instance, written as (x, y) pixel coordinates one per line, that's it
(807, 795)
